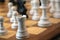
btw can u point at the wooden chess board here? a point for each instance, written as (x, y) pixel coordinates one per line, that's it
(35, 32)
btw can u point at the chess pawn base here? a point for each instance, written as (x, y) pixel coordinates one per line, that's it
(35, 17)
(21, 35)
(44, 22)
(2, 32)
(56, 15)
(14, 26)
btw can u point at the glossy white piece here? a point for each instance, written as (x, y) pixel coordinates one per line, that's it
(14, 25)
(34, 5)
(14, 14)
(9, 14)
(35, 15)
(3, 31)
(34, 9)
(13, 19)
(21, 32)
(52, 5)
(57, 9)
(44, 22)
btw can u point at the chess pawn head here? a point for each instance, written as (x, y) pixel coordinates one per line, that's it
(2, 29)
(10, 4)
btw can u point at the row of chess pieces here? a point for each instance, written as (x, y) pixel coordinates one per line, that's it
(19, 20)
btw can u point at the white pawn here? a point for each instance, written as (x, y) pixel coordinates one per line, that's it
(52, 5)
(35, 5)
(32, 9)
(13, 19)
(44, 22)
(3, 31)
(14, 14)
(9, 14)
(21, 32)
(57, 9)
(35, 15)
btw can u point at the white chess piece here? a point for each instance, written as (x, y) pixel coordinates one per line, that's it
(14, 14)
(52, 5)
(35, 15)
(13, 19)
(57, 9)
(44, 20)
(3, 31)
(21, 32)
(9, 14)
(34, 10)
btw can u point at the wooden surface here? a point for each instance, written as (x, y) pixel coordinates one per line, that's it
(35, 32)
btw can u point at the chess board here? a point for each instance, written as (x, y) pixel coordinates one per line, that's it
(35, 32)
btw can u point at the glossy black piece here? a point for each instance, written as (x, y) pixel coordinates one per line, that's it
(21, 8)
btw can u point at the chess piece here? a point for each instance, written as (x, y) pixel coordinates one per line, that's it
(21, 8)
(14, 14)
(52, 5)
(9, 14)
(57, 9)
(14, 20)
(32, 9)
(21, 32)
(3, 31)
(44, 20)
(35, 15)
(36, 6)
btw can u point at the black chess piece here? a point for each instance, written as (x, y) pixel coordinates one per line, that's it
(21, 8)
(2, 0)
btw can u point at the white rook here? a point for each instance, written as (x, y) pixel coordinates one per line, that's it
(21, 32)
(3, 31)
(44, 20)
